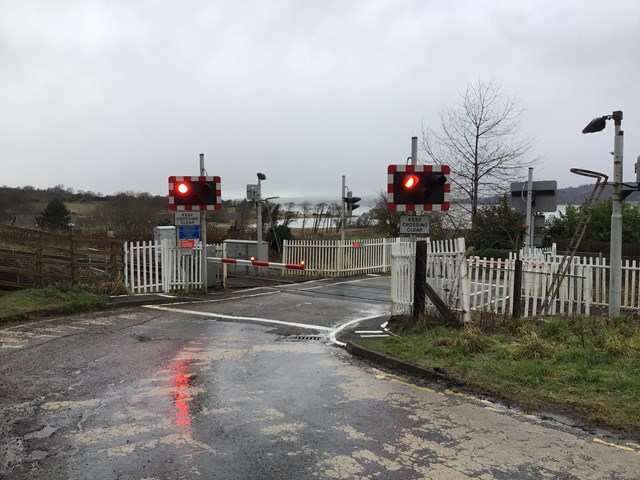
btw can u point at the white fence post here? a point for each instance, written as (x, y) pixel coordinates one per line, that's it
(463, 273)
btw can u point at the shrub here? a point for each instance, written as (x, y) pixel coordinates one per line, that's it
(532, 346)
(471, 341)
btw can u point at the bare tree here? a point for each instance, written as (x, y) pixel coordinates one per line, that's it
(128, 210)
(386, 221)
(318, 213)
(332, 220)
(289, 213)
(244, 210)
(306, 208)
(480, 139)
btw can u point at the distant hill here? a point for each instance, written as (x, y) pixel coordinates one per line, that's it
(580, 194)
(576, 195)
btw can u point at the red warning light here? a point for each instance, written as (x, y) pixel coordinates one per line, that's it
(183, 188)
(410, 181)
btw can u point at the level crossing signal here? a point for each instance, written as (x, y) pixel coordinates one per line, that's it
(351, 203)
(194, 193)
(418, 188)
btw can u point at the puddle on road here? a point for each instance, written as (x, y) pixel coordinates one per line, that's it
(38, 455)
(69, 404)
(46, 432)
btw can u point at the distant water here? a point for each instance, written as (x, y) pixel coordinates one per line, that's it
(364, 206)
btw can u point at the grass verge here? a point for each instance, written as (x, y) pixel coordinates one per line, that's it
(47, 301)
(582, 366)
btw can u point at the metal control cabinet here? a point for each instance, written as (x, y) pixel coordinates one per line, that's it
(165, 233)
(244, 249)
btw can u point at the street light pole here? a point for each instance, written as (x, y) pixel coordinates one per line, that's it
(615, 265)
(615, 250)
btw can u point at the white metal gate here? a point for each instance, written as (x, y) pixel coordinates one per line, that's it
(152, 267)
(481, 284)
(446, 273)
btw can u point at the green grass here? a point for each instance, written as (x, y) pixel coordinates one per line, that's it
(47, 301)
(586, 366)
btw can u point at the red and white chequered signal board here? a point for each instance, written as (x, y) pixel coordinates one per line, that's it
(440, 202)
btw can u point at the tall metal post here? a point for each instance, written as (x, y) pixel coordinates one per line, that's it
(414, 150)
(259, 221)
(414, 161)
(420, 269)
(203, 237)
(529, 241)
(342, 213)
(615, 253)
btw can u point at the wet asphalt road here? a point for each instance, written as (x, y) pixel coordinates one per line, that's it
(250, 385)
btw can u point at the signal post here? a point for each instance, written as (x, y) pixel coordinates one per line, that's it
(197, 194)
(419, 188)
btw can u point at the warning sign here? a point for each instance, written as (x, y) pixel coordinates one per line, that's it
(414, 224)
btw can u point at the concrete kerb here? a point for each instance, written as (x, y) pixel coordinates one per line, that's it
(235, 283)
(397, 364)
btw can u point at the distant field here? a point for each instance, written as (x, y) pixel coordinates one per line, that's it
(82, 208)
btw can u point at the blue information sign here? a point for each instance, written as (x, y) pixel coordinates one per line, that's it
(188, 232)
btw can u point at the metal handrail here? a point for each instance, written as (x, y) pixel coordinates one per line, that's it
(565, 263)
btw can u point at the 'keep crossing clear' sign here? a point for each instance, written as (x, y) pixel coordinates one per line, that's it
(416, 224)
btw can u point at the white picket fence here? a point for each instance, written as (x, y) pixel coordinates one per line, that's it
(446, 271)
(467, 284)
(161, 267)
(489, 283)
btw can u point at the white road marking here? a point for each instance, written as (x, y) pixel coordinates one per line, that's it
(234, 317)
(369, 331)
(335, 283)
(215, 300)
(332, 335)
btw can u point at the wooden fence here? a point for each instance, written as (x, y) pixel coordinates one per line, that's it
(36, 258)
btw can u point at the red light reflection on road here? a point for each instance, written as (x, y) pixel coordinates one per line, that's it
(181, 383)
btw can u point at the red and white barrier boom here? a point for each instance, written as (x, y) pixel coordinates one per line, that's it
(256, 263)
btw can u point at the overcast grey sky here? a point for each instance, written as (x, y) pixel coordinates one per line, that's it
(116, 95)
